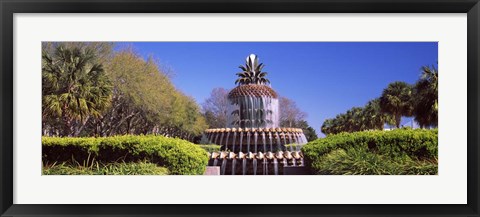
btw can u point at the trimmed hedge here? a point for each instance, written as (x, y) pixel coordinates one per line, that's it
(180, 157)
(401, 151)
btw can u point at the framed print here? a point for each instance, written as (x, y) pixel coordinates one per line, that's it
(243, 108)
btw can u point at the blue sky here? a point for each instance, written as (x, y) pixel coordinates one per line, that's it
(323, 78)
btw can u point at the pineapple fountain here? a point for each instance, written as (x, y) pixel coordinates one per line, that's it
(252, 143)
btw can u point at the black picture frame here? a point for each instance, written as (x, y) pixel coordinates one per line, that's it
(9, 7)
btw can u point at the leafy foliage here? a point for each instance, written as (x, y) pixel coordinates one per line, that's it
(368, 117)
(75, 89)
(396, 100)
(401, 151)
(425, 102)
(90, 90)
(178, 156)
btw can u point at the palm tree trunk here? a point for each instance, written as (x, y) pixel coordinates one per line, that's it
(398, 118)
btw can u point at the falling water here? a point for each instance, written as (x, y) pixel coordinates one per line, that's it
(241, 139)
(255, 139)
(215, 161)
(271, 142)
(299, 141)
(244, 166)
(304, 138)
(221, 139)
(285, 141)
(265, 167)
(234, 162)
(279, 146)
(209, 137)
(294, 162)
(234, 138)
(248, 142)
(254, 166)
(290, 141)
(226, 140)
(275, 166)
(259, 111)
(264, 142)
(216, 137)
(224, 164)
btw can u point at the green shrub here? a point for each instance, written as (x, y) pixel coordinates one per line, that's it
(96, 168)
(210, 148)
(402, 151)
(180, 157)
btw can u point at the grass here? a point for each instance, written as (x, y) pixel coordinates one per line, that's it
(358, 161)
(96, 168)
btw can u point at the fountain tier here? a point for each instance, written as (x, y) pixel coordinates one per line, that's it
(257, 139)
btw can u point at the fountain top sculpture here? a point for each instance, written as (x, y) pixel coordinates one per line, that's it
(252, 72)
(252, 81)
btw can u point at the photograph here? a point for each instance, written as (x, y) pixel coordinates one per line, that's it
(239, 108)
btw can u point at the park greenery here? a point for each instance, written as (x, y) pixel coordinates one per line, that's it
(110, 111)
(178, 156)
(90, 89)
(396, 152)
(398, 99)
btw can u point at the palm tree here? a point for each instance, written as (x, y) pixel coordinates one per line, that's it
(426, 97)
(327, 126)
(396, 100)
(252, 72)
(374, 118)
(75, 87)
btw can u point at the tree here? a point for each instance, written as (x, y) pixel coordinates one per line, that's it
(215, 108)
(290, 114)
(308, 131)
(74, 89)
(103, 50)
(142, 97)
(369, 117)
(144, 101)
(374, 117)
(252, 72)
(396, 100)
(426, 97)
